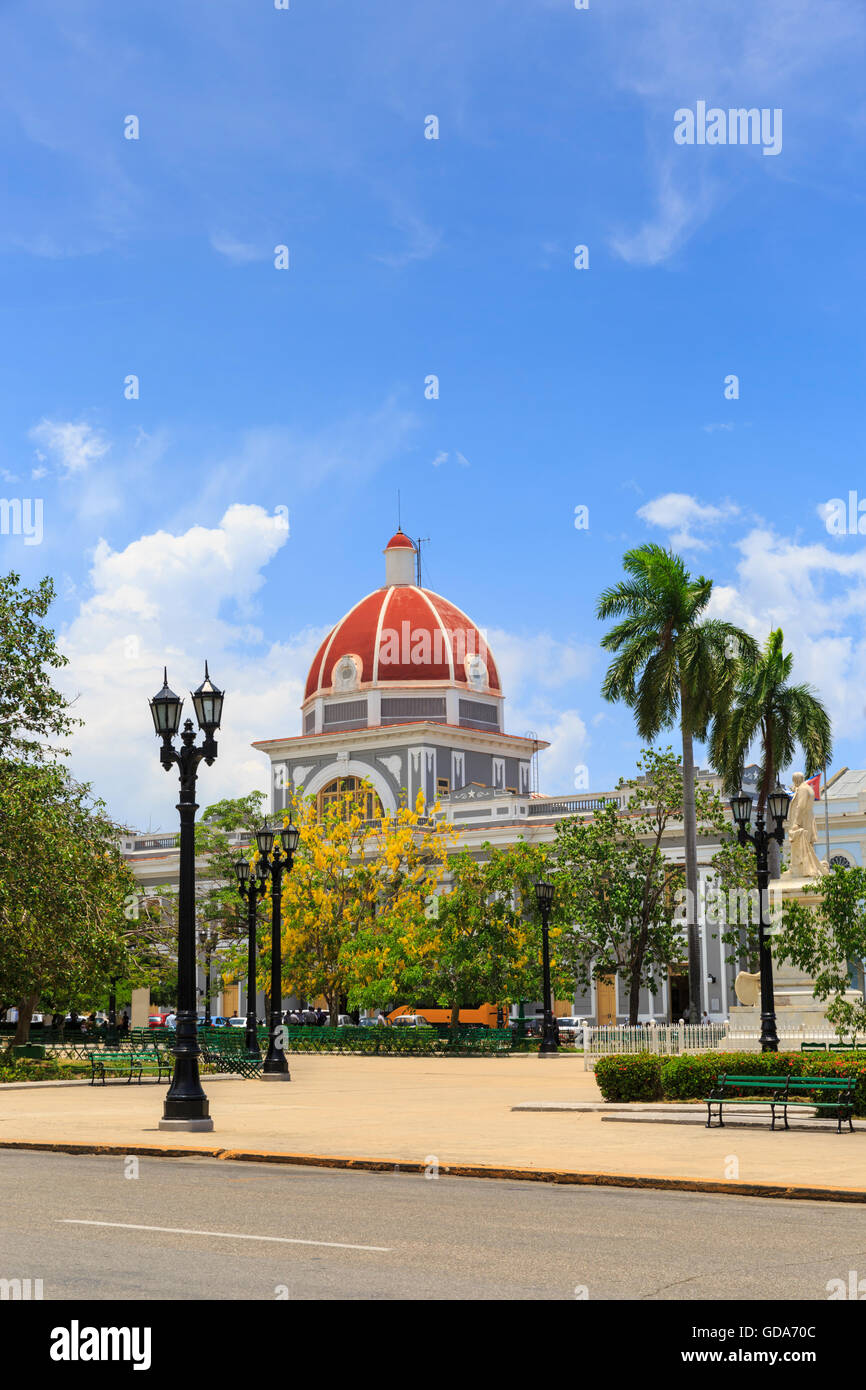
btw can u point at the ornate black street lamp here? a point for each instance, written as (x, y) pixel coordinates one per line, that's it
(186, 1105)
(208, 941)
(251, 886)
(549, 1036)
(276, 1067)
(741, 810)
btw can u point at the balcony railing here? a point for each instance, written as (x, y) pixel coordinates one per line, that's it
(571, 806)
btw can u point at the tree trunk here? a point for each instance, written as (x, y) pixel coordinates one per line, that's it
(691, 854)
(25, 1013)
(454, 1021)
(633, 998)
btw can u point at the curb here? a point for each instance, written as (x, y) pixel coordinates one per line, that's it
(789, 1192)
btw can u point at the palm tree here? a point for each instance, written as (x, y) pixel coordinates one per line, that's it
(672, 665)
(767, 711)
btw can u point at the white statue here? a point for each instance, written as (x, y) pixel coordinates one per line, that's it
(802, 832)
(747, 988)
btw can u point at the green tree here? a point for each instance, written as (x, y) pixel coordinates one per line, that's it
(32, 712)
(482, 944)
(626, 900)
(822, 939)
(221, 913)
(766, 710)
(672, 664)
(732, 906)
(63, 888)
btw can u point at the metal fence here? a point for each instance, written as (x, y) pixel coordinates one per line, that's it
(663, 1040)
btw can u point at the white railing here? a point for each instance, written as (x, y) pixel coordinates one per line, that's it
(663, 1040)
(673, 1039)
(796, 1035)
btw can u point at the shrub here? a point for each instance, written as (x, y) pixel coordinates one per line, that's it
(694, 1075)
(637, 1076)
(26, 1069)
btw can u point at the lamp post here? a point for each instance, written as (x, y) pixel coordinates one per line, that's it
(251, 886)
(741, 809)
(186, 1105)
(549, 1036)
(207, 940)
(278, 861)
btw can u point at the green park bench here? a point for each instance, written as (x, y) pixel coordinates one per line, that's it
(130, 1062)
(832, 1094)
(117, 1063)
(227, 1054)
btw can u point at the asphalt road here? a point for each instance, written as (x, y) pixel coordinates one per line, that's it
(345, 1235)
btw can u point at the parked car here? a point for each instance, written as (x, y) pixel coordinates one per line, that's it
(216, 1022)
(367, 1022)
(157, 1020)
(571, 1027)
(410, 1021)
(237, 1022)
(344, 1021)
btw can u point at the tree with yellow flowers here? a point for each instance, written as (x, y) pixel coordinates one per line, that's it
(354, 904)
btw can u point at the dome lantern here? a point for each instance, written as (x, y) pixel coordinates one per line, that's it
(399, 560)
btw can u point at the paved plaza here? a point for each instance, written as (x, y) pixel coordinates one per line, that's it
(439, 1111)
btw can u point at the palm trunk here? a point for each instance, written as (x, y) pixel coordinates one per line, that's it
(774, 849)
(690, 830)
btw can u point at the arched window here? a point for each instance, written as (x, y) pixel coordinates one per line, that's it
(347, 792)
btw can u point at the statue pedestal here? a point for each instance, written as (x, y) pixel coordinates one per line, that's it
(799, 1015)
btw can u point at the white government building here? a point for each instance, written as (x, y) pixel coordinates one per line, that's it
(404, 695)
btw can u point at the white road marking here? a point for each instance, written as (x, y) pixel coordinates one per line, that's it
(227, 1235)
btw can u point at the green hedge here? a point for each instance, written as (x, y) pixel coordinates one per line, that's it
(636, 1076)
(643, 1076)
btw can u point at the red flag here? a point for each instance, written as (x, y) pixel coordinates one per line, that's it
(815, 784)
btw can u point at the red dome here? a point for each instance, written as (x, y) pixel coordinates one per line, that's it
(399, 541)
(403, 635)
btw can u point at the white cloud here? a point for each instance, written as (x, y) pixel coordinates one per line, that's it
(74, 446)
(681, 206)
(532, 670)
(680, 513)
(817, 595)
(240, 252)
(176, 600)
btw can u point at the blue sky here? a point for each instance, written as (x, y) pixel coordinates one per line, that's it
(303, 389)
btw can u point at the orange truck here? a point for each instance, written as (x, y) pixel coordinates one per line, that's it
(486, 1015)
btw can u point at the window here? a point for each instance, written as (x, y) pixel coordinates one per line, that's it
(443, 786)
(347, 792)
(346, 713)
(475, 714)
(399, 709)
